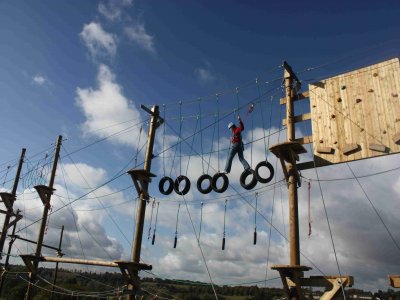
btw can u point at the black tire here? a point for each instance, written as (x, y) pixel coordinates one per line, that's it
(243, 177)
(200, 181)
(177, 182)
(271, 172)
(224, 185)
(170, 185)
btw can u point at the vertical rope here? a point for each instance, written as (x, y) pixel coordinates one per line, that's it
(212, 144)
(163, 142)
(176, 226)
(255, 220)
(180, 137)
(309, 208)
(5, 176)
(223, 236)
(138, 146)
(201, 218)
(262, 117)
(237, 101)
(201, 136)
(153, 204)
(155, 225)
(218, 130)
(191, 146)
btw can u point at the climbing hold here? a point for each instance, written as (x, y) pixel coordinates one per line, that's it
(224, 184)
(200, 181)
(333, 116)
(375, 74)
(270, 168)
(370, 91)
(339, 99)
(358, 100)
(321, 141)
(243, 177)
(343, 87)
(177, 182)
(170, 185)
(395, 95)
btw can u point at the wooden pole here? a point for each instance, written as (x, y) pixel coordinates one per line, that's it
(293, 200)
(32, 276)
(137, 245)
(56, 270)
(10, 210)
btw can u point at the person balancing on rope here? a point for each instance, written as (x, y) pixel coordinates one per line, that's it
(237, 146)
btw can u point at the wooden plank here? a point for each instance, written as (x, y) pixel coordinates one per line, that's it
(326, 150)
(298, 118)
(305, 139)
(301, 96)
(377, 147)
(350, 149)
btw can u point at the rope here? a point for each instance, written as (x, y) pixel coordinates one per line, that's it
(255, 219)
(201, 250)
(201, 137)
(262, 117)
(374, 208)
(180, 138)
(191, 148)
(163, 142)
(137, 148)
(176, 226)
(212, 144)
(218, 129)
(153, 204)
(201, 218)
(223, 235)
(155, 224)
(5, 176)
(309, 209)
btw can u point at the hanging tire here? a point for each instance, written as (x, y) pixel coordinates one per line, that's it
(270, 168)
(178, 181)
(244, 176)
(215, 180)
(170, 185)
(200, 181)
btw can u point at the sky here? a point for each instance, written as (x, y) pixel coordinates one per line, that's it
(81, 69)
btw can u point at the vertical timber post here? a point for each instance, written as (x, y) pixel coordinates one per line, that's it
(32, 275)
(13, 193)
(137, 244)
(56, 269)
(293, 199)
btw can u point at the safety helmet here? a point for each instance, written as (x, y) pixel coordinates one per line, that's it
(230, 125)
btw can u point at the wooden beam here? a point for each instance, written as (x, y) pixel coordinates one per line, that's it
(301, 96)
(394, 281)
(299, 118)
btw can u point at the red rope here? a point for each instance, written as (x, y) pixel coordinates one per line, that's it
(309, 208)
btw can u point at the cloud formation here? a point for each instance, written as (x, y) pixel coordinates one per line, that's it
(112, 9)
(138, 34)
(39, 79)
(107, 110)
(99, 42)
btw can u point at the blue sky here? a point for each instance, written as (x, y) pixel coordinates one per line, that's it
(82, 69)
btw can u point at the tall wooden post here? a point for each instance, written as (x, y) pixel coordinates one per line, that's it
(137, 244)
(32, 275)
(56, 269)
(292, 183)
(10, 209)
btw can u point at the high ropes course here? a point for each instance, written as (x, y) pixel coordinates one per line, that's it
(191, 148)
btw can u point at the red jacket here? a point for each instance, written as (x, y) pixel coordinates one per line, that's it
(236, 133)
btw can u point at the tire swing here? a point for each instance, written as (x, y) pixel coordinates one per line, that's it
(202, 178)
(270, 169)
(225, 183)
(170, 187)
(246, 173)
(177, 183)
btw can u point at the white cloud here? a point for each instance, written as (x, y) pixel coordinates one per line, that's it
(106, 108)
(138, 34)
(112, 9)
(39, 79)
(204, 75)
(99, 42)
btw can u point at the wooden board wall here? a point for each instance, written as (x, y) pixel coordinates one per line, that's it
(356, 115)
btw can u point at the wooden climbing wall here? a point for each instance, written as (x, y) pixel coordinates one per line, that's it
(356, 115)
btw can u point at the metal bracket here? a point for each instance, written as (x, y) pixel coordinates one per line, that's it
(28, 260)
(44, 193)
(17, 218)
(8, 200)
(140, 179)
(159, 120)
